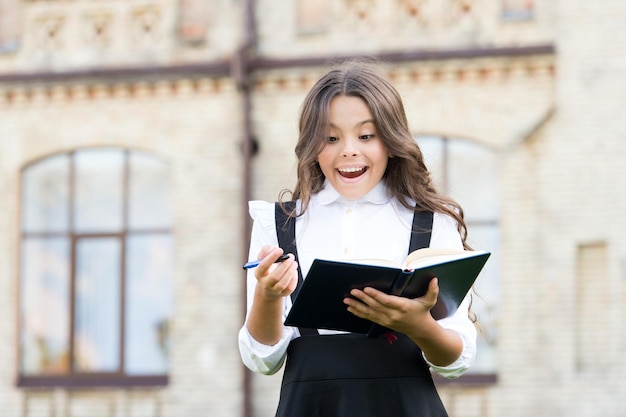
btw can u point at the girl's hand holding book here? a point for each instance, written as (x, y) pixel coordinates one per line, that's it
(404, 315)
(412, 317)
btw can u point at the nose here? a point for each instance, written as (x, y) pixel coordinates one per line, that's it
(350, 147)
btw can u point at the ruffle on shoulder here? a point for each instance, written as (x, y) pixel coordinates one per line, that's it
(261, 209)
(262, 212)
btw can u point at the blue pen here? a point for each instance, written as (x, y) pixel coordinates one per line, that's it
(254, 264)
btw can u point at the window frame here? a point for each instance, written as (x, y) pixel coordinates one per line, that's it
(469, 379)
(71, 378)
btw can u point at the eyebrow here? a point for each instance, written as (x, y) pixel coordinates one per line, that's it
(358, 124)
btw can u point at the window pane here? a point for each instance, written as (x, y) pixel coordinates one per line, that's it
(149, 205)
(472, 180)
(99, 190)
(486, 303)
(44, 306)
(45, 195)
(433, 150)
(97, 321)
(148, 303)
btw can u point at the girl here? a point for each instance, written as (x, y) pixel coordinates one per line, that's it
(362, 191)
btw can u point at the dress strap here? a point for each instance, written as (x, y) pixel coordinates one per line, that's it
(421, 231)
(286, 234)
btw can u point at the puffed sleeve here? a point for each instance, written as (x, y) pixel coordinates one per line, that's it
(256, 356)
(446, 235)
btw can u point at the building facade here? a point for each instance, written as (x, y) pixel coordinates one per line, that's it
(133, 133)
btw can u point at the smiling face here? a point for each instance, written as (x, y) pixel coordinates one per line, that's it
(354, 157)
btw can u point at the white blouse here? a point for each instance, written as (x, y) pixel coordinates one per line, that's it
(334, 228)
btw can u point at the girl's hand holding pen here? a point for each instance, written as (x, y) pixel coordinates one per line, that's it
(254, 264)
(275, 279)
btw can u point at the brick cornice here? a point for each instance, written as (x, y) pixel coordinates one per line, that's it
(419, 55)
(224, 67)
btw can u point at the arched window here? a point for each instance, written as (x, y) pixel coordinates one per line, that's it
(467, 172)
(96, 270)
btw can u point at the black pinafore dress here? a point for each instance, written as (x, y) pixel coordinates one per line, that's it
(352, 375)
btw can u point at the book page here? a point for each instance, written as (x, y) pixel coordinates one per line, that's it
(431, 256)
(374, 262)
(419, 258)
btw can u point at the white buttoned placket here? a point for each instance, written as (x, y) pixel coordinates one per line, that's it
(348, 229)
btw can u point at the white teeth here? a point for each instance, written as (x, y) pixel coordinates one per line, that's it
(350, 169)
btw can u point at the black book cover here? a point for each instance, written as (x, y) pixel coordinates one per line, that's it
(319, 302)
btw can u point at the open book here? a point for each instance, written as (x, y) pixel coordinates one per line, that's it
(319, 302)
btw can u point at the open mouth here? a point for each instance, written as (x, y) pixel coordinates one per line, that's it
(352, 172)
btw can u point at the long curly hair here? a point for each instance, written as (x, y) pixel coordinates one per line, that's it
(406, 175)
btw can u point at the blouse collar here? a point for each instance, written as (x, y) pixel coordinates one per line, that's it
(377, 195)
